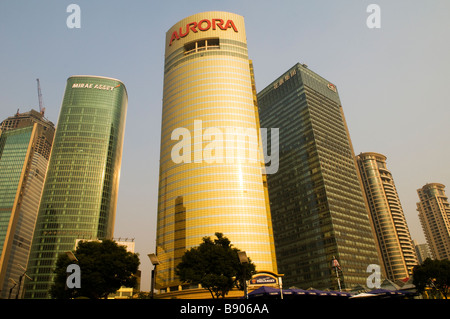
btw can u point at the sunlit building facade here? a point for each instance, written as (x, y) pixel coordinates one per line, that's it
(434, 215)
(25, 145)
(318, 207)
(81, 188)
(422, 251)
(391, 229)
(211, 176)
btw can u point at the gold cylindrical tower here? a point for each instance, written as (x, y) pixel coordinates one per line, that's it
(211, 176)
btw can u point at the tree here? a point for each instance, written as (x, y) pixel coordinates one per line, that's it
(434, 274)
(105, 266)
(215, 265)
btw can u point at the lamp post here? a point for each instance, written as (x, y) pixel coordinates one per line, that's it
(280, 283)
(337, 267)
(11, 289)
(20, 279)
(155, 262)
(243, 259)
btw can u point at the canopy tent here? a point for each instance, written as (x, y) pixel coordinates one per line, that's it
(264, 291)
(267, 292)
(379, 293)
(329, 293)
(389, 285)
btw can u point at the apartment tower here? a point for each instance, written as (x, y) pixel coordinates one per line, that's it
(25, 145)
(81, 188)
(211, 179)
(434, 215)
(318, 208)
(391, 229)
(422, 252)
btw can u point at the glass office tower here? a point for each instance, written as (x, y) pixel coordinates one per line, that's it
(318, 208)
(80, 192)
(211, 178)
(25, 144)
(391, 229)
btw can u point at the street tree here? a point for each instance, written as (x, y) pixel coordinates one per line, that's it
(432, 274)
(104, 267)
(215, 265)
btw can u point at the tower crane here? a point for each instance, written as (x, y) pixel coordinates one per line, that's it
(41, 107)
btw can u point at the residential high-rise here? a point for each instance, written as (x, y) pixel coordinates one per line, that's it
(211, 179)
(318, 208)
(25, 145)
(80, 191)
(434, 215)
(422, 251)
(391, 229)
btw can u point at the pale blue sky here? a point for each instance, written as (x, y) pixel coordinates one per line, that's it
(392, 81)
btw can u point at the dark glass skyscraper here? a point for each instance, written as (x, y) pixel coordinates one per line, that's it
(80, 192)
(318, 207)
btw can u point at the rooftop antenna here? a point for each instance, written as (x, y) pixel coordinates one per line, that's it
(41, 107)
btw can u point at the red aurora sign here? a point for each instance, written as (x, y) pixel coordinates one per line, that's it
(202, 25)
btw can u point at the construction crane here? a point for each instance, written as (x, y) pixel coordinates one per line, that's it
(41, 107)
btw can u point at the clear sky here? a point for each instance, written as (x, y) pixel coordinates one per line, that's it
(392, 81)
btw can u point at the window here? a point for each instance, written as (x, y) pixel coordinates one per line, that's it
(201, 45)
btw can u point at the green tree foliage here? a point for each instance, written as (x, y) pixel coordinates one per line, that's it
(433, 274)
(215, 265)
(105, 267)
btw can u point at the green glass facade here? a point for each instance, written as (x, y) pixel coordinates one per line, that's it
(318, 207)
(13, 154)
(80, 192)
(25, 145)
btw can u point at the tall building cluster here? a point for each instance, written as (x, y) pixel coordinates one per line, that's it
(59, 185)
(274, 171)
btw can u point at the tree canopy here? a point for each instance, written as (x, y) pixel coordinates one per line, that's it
(433, 274)
(215, 265)
(105, 266)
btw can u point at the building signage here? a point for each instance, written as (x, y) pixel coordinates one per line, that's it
(94, 86)
(202, 25)
(284, 78)
(263, 280)
(332, 87)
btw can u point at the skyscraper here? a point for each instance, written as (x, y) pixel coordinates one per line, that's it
(80, 192)
(422, 252)
(391, 229)
(211, 179)
(25, 144)
(318, 207)
(434, 215)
